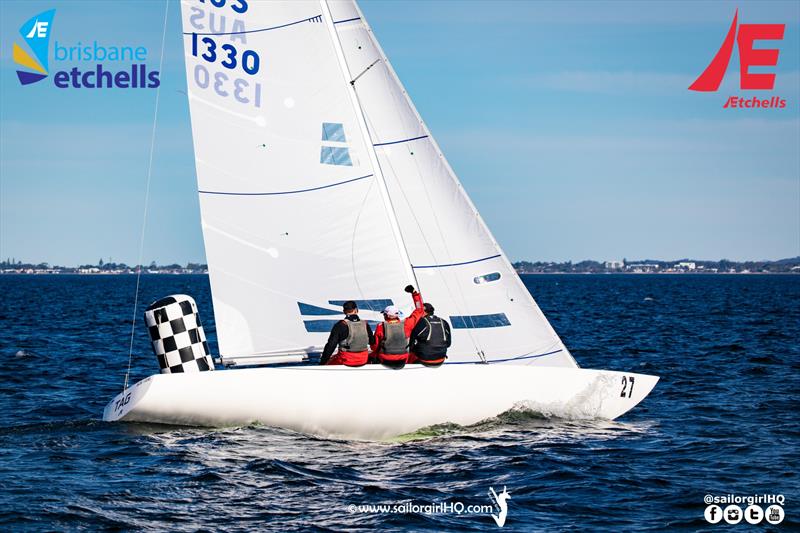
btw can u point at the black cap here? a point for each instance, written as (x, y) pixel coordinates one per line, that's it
(349, 306)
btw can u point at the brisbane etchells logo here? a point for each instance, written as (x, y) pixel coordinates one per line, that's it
(36, 32)
(749, 56)
(83, 64)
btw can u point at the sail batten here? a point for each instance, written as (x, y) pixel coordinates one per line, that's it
(298, 191)
(496, 256)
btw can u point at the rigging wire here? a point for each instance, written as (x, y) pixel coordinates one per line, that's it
(353, 240)
(146, 198)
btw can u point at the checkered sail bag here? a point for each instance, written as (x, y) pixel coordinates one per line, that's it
(177, 334)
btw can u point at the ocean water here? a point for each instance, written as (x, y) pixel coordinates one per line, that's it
(722, 420)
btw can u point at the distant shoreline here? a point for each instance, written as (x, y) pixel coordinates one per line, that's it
(622, 273)
(695, 273)
(789, 265)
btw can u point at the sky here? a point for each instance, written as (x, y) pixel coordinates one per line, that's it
(570, 125)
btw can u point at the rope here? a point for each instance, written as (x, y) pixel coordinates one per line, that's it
(146, 198)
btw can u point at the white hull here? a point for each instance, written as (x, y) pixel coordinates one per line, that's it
(373, 402)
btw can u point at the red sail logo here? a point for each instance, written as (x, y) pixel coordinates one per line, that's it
(748, 34)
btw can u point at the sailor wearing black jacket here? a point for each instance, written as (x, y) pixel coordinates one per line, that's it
(430, 339)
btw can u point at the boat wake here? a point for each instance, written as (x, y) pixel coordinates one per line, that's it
(584, 409)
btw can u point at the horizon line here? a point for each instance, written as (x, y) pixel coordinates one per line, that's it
(512, 261)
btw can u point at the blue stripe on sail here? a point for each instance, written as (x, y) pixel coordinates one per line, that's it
(286, 192)
(496, 320)
(402, 141)
(346, 20)
(457, 264)
(309, 19)
(367, 305)
(308, 309)
(319, 326)
(490, 361)
(325, 326)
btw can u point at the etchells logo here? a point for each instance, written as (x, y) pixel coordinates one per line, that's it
(748, 34)
(81, 65)
(36, 32)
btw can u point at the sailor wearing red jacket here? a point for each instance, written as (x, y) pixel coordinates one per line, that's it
(390, 347)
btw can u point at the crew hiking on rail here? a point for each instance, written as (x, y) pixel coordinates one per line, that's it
(390, 347)
(353, 337)
(430, 339)
(390, 342)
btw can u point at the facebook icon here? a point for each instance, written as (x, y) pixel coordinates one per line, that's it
(713, 514)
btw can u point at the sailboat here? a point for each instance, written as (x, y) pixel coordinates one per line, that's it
(319, 183)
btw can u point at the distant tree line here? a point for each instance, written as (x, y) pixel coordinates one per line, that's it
(655, 265)
(12, 264)
(788, 265)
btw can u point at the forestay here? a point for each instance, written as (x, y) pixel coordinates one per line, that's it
(296, 218)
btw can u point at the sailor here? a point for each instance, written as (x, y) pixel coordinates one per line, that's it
(430, 339)
(390, 347)
(353, 337)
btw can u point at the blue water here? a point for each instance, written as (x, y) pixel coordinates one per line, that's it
(723, 419)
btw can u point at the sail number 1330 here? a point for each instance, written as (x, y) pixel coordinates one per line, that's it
(227, 55)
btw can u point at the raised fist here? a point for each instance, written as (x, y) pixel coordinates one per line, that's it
(409, 289)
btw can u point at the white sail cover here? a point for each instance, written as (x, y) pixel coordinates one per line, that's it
(297, 218)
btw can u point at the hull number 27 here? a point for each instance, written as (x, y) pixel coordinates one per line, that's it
(627, 386)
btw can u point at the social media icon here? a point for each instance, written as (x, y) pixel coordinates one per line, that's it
(753, 514)
(713, 514)
(774, 514)
(733, 514)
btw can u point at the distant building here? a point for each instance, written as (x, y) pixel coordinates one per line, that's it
(614, 265)
(686, 265)
(642, 267)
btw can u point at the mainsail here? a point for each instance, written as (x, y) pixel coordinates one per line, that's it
(319, 183)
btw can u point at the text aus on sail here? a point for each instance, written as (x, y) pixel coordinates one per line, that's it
(229, 67)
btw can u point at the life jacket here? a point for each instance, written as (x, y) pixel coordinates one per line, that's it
(353, 351)
(394, 340)
(431, 345)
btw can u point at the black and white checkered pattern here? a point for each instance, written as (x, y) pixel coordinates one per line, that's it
(178, 338)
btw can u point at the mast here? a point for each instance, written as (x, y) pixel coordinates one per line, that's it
(373, 156)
